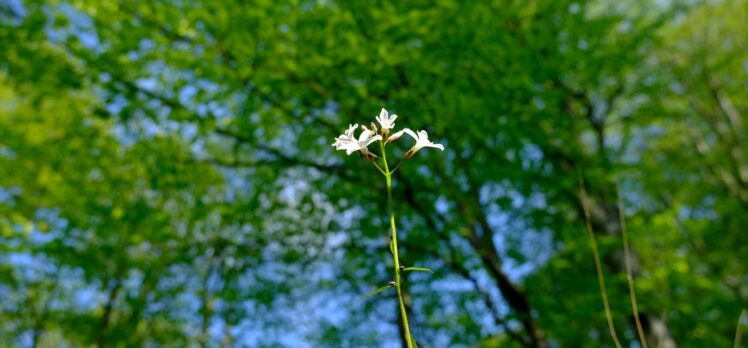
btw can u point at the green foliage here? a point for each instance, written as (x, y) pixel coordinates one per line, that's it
(166, 175)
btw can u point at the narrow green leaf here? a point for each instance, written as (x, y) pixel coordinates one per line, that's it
(422, 269)
(374, 292)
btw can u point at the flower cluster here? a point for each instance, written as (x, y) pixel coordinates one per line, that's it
(350, 143)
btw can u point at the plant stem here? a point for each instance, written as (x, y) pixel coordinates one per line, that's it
(598, 265)
(739, 329)
(629, 273)
(398, 165)
(395, 257)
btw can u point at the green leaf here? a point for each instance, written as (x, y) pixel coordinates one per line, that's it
(374, 292)
(421, 269)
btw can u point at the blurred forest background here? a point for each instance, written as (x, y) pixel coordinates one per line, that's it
(167, 179)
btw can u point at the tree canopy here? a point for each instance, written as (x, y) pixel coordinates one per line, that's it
(167, 179)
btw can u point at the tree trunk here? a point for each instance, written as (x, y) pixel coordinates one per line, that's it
(114, 288)
(515, 298)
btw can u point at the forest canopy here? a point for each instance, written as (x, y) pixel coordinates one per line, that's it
(167, 176)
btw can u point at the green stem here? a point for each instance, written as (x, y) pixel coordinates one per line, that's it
(629, 272)
(395, 257)
(598, 264)
(379, 168)
(739, 330)
(398, 165)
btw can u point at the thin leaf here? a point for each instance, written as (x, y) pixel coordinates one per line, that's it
(374, 292)
(422, 269)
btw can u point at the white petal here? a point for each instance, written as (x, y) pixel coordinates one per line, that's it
(409, 132)
(347, 139)
(370, 140)
(436, 146)
(366, 134)
(386, 121)
(383, 115)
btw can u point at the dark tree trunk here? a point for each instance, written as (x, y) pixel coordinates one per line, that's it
(101, 335)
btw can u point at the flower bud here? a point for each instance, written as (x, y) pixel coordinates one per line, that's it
(394, 137)
(410, 153)
(373, 127)
(392, 283)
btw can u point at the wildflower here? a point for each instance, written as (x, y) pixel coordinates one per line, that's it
(348, 142)
(422, 140)
(344, 139)
(386, 121)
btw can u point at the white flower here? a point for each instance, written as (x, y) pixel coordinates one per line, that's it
(350, 144)
(345, 138)
(387, 122)
(422, 140)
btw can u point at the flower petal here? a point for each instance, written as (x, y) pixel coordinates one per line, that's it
(385, 120)
(436, 146)
(382, 115)
(408, 131)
